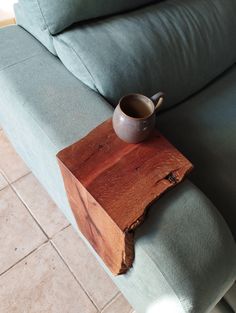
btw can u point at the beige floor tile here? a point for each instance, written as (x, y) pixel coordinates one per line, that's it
(41, 283)
(10, 163)
(19, 234)
(3, 182)
(118, 305)
(85, 267)
(40, 204)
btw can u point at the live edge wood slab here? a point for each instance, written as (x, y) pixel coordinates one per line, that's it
(110, 184)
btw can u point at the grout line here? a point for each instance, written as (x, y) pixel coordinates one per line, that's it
(58, 252)
(14, 181)
(4, 177)
(19, 178)
(3, 174)
(111, 301)
(30, 212)
(56, 233)
(4, 188)
(31, 252)
(34, 217)
(11, 185)
(70, 270)
(54, 245)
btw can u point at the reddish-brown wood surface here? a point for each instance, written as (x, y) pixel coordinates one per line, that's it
(110, 184)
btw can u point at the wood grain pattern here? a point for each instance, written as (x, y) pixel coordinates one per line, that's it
(110, 184)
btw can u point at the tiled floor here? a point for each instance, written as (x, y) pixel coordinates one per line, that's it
(44, 266)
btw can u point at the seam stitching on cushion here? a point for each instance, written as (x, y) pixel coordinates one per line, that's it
(162, 273)
(22, 61)
(81, 60)
(33, 118)
(41, 11)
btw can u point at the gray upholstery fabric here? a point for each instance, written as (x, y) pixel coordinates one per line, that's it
(230, 297)
(185, 254)
(204, 129)
(56, 15)
(17, 47)
(31, 19)
(222, 307)
(174, 249)
(43, 107)
(176, 46)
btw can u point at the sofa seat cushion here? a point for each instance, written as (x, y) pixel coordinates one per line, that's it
(204, 129)
(184, 247)
(43, 107)
(177, 46)
(17, 46)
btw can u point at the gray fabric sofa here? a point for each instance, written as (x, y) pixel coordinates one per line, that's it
(58, 81)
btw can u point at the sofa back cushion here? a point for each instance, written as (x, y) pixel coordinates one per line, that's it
(177, 46)
(56, 15)
(31, 19)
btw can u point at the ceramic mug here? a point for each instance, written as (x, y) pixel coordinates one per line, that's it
(135, 115)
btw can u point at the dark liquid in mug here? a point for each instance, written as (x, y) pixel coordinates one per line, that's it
(137, 109)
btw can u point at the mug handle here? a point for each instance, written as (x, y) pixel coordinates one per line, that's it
(158, 100)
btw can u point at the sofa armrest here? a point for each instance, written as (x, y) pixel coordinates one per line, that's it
(185, 256)
(43, 107)
(36, 81)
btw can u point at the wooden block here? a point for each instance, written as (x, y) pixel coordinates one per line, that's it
(110, 185)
